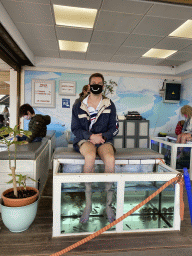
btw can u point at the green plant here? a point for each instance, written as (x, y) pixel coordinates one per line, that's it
(109, 87)
(9, 137)
(21, 180)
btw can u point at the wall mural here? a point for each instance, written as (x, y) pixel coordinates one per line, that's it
(131, 94)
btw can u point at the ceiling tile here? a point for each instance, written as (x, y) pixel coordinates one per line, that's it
(43, 44)
(187, 56)
(123, 59)
(33, 1)
(29, 31)
(117, 22)
(73, 34)
(102, 37)
(171, 62)
(157, 26)
(98, 57)
(46, 53)
(170, 11)
(188, 48)
(99, 48)
(171, 43)
(72, 55)
(147, 61)
(94, 4)
(142, 41)
(126, 6)
(131, 51)
(29, 12)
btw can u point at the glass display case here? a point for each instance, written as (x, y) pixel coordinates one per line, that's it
(175, 154)
(132, 183)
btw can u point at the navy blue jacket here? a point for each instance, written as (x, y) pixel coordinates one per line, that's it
(106, 122)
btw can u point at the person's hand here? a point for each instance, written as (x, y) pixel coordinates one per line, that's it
(96, 139)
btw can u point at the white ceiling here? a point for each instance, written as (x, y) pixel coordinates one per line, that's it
(123, 31)
(3, 66)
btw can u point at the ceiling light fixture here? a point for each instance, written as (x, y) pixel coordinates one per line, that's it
(72, 46)
(74, 16)
(158, 53)
(184, 31)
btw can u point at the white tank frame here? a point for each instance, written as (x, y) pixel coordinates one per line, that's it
(174, 147)
(120, 179)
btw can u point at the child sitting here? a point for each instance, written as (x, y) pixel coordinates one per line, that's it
(179, 127)
(2, 120)
(37, 125)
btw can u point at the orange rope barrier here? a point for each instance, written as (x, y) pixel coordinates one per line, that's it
(161, 160)
(182, 206)
(90, 237)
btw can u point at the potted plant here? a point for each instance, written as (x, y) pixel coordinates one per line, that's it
(21, 200)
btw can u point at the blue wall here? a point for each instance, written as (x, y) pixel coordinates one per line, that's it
(131, 94)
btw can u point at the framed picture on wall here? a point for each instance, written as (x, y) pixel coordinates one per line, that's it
(67, 88)
(43, 93)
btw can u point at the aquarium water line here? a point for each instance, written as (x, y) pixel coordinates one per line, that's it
(177, 179)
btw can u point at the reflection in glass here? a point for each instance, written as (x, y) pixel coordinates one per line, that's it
(157, 213)
(73, 203)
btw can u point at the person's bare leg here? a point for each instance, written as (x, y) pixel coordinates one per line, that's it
(88, 150)
(106, 153)
(185, 137)
(183, 140)
(178, 139)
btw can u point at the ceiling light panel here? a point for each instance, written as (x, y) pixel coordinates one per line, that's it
(184, 31)
(158, 53)
(74, 16)
(72, 46)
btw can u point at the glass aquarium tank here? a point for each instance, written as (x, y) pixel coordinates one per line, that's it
(176, 155)
(131, 184)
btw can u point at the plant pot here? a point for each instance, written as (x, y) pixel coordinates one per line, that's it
(18, 202)
(18, 219)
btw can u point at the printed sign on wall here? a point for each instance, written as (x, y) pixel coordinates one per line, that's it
(43, 93)
(65, 103)
(67, 88)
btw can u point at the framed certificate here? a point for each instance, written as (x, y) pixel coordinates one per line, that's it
(43, 93)
(67, 88)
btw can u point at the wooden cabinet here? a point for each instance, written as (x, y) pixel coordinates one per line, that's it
(132, 134)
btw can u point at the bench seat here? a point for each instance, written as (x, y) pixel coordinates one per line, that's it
(121, 154)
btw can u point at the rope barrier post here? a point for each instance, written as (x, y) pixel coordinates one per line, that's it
(188, 189)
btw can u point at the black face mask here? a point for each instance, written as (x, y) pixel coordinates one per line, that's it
(96, 88)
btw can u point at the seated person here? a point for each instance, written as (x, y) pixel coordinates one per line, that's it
(179, 127)
(2, 124)
(37, 125)
(94, 124)
(83, 94)
(2, 121)
(185, 135)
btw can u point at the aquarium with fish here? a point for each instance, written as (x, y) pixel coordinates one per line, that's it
(131, 184)
(175, 154)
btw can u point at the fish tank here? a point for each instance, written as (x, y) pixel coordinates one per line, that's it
(131, 184)
(175, 154)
